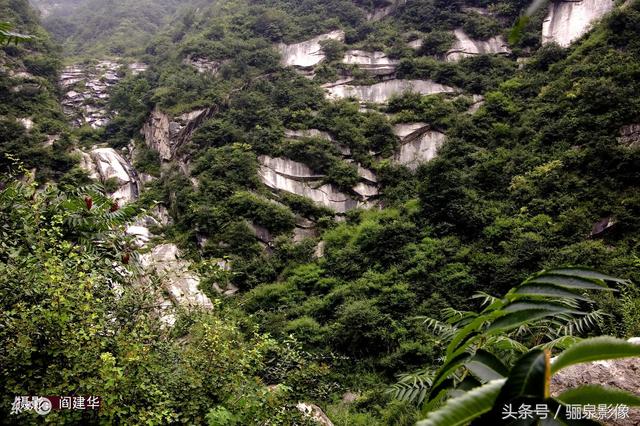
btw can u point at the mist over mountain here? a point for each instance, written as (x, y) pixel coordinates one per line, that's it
(336, 212)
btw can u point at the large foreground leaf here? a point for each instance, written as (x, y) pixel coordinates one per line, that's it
(463, 409)
(594, 394)
(595, 349)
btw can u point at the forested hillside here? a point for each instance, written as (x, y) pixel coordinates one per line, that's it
(348, 184)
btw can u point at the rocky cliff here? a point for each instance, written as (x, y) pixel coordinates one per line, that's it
(568, 20)
(383, 91)
(308, 53)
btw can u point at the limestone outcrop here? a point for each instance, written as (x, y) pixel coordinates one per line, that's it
(382, 92)
(464, 47)
(630, 136)
(180, 283)
(383, 12)
(87, 90)
(618, 373)
(568, 20)
(138, 68)
(376, 63)
(166, 135)
(307, 54)
(315, 413)
(418, 144)
(105, 164)
(315, 133)
(297, 178)
(203, 65)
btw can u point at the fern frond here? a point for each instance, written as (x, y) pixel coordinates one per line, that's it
(412, 387)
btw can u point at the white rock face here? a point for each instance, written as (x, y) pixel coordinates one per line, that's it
(419, 144)
(308, 53)
(382, 92)
(138, 68)
(26, 122)
(383, 12)
(376, 63)
(105, 164)
(464, 47)
(567, 21)
(416, 44)
(290, 176)
(308, 133)
(165, 135)
(179, 282)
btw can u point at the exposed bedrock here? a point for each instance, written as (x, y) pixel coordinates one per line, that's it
(567, 21)
(418, 144)
(166, 135)
(377, 63)
(464, 47)
(630, 136)
(203, 65)
(623, 374)
(383, 12)
(308, 53)
(382, 92)
(180, 283)
(105, 164)
(315, 133)
(87, 91)
(291, 176)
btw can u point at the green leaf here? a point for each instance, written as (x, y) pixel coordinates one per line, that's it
(569, 282)
(486, 367)
(595, 349)
(465, 408)
(526, 378)
(516, 319)
(535, 304)
(594, 394)
(547, 290)
(586, 273)
(446, 370)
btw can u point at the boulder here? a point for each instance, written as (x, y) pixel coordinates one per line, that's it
(376, 63)
(314, 412)
(568, 20)
(382, 92)
(180, 283)
(464, 47)
(622, 374)
(307, 54)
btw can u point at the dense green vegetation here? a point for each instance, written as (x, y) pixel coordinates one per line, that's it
(114, 28)
(515, 189)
